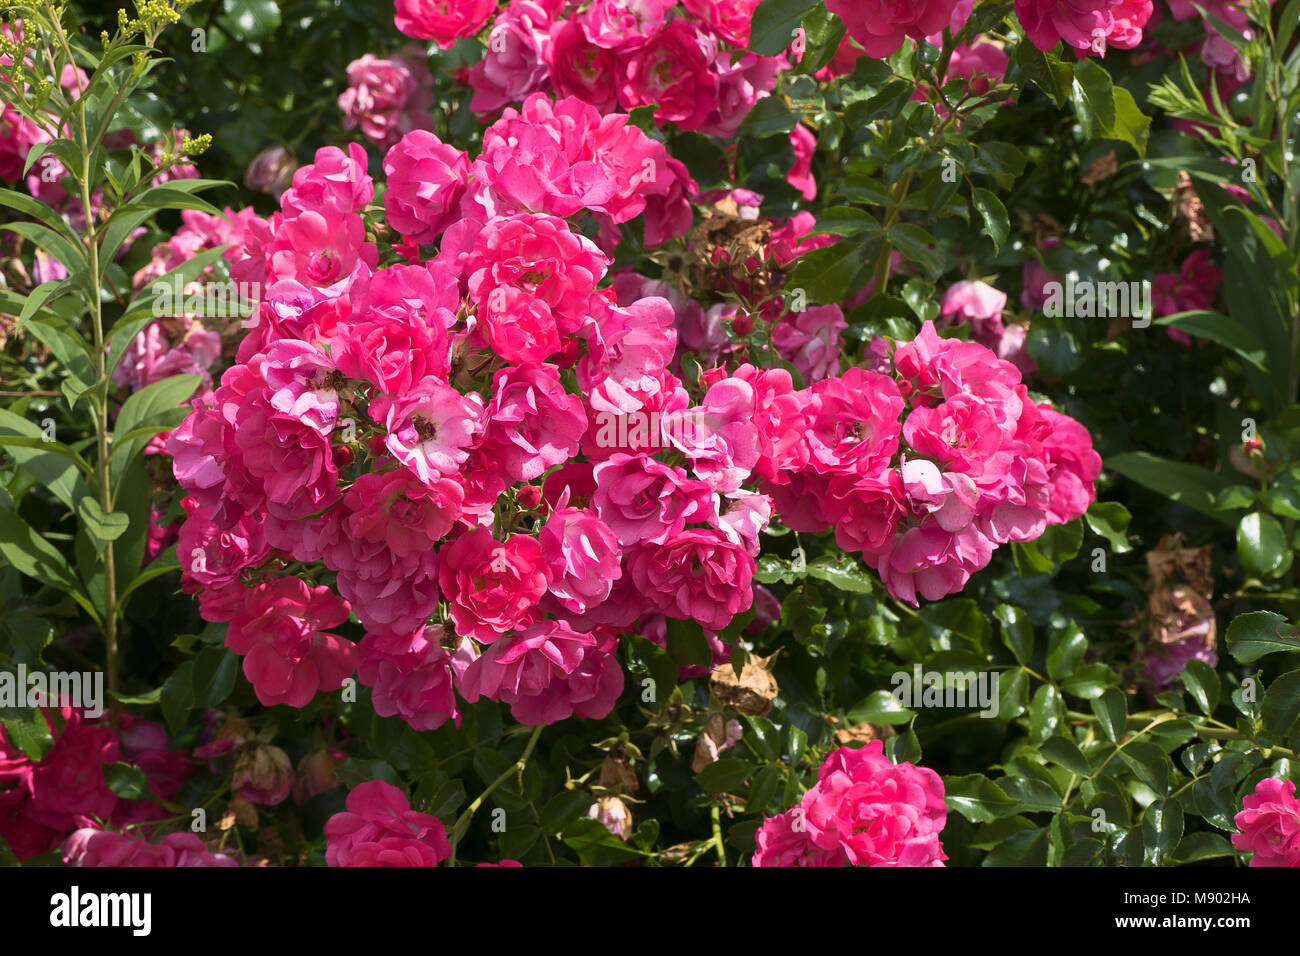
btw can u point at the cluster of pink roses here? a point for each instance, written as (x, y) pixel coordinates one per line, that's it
(926, 463)
(686, 60)
(43, 801)
(1090, 27)
(354, 433)
(863, 811)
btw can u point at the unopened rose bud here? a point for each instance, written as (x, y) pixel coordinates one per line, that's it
(742, 324)
(614, 814)
(530, 496)
(315, 775)
(263, 774)
(271, 171)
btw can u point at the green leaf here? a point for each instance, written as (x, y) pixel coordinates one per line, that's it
(1252, 635)
(841, 570)
(153, 404)
(1066, 752)
(997, 225)
(213, 676)
(127, 781)
(1261, 544)
(178, 696)
(1150, 764)
(687, 644)
(1162, 831)
(1045, 69)
(1046, 713)
(919, 247)
(102, 528)
(1110, 519)
(977, 798)
(1187, 484)
(1202, 682)
(825, 274)
(1202, 846)
(880, 707)
(725, 775)
(595, 845)
(1065, 649)
(564, 808)
(1111, 709)
(1107, 111)
(30, 206)
(774, 22)
(1282, 704)
(1017, 631)
(43, 237)
(33, 555)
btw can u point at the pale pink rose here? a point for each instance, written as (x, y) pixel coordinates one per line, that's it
(430, 427)
(810, 339)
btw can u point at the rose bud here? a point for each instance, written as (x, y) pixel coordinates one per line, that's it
(614, 814)
(530, 496)
(271, 171)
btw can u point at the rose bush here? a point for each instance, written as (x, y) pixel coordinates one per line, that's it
(650, 432)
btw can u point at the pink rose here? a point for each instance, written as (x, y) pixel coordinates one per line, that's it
(390, 97)
(583, 556)
(444, 21)
(695, 574)
(1270, 824)
(426, 179)
(548, 672)
(430, 427)
(644, 500)
(1089, 26)
(881, 27)
(878, 813)
(92, 847)
(492, 587)
(783, 840)
(379, 828)
(288, 656)
(515, 63)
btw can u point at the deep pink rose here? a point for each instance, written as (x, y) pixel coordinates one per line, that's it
(492, 587)
(1269, 822)
(379, 828)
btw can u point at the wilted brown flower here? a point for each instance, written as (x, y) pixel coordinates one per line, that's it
(750, 693)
